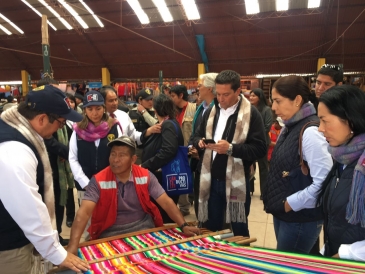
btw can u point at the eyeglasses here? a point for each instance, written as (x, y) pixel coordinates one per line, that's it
(61, 123)
(334, 67)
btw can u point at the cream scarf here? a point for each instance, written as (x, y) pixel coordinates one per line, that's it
(13, 118)
(235, 176)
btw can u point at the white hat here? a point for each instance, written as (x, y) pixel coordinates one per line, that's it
(280, 121)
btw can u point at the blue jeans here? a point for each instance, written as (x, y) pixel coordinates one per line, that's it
(217, 209)
(296, 237)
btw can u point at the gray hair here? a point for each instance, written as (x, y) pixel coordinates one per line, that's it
(208, 80)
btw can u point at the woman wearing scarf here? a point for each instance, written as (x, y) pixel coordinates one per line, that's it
(258, 99)
(292, 188)
(89, 152)
(160, 148)
(342, 121)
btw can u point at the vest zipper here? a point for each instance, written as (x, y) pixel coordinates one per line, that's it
(337, 180)
(123, 190)
(96, 159)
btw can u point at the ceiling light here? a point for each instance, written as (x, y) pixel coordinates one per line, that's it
(11, 23)
(191, 10)
(282, 5)
(312, 4)
(92, 13)
(74, 14)
(142, 16)
(64, 22)
(37, 12)
(252, 6)
(11, 83)
(5, 30)
(163, 10)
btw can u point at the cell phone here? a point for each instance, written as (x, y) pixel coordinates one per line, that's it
(208, 141)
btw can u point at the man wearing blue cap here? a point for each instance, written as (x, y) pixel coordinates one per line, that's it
(27, 208)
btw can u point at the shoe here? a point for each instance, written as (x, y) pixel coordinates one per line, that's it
(69, 223)
(185, 213)
(261, 198)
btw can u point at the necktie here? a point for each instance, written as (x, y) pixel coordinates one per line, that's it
(112, 115)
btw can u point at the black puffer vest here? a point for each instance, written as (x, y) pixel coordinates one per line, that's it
(94, 159)
(337, 230)
(11, 235)
(285, 158)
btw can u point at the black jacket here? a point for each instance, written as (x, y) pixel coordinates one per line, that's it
(266, 114)
(337, 229)
(254, 148)
(160, 149)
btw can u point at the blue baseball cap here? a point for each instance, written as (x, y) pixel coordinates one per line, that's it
(50, 99)
(93, 98)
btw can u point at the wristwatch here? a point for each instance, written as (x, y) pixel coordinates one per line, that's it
(183, 225)
(230, 150)
(143, 111)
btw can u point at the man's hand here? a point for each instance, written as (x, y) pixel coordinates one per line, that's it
(221, 147)
(75, 263)
(191, 231)
(336, 256)
(193, 152)
(72, 249)
(140, 108)
(201, 144)
(153, 129)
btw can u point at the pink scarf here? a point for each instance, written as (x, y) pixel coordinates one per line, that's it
(92, 133)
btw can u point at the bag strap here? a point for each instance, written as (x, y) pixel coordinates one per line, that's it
(303, 166)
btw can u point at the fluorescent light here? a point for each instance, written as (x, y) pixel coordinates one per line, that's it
(252, 6)
(191, 10)
(282, 5)
(64, 22)
(11, 83)
(163, 10)
(74, 14)
(37, 12)
(312, 4)
(92, 13)
(4, 29)
(11, 23)
(142, 16)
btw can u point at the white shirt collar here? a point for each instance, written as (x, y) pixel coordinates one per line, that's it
(232, 108)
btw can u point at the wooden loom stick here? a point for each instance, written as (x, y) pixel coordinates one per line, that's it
(159, 246)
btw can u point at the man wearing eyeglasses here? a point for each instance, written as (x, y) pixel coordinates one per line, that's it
(328, 76)
(27, 204)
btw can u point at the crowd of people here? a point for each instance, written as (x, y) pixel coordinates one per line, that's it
(309, 147)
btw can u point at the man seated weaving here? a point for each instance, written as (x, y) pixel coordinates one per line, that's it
(117, 199)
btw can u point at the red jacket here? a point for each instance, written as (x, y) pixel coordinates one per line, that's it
(273, 137)
(105, 212)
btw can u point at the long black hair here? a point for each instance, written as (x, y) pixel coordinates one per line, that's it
(262, 99)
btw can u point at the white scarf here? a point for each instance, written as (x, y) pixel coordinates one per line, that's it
(14, 119)
(235, 175)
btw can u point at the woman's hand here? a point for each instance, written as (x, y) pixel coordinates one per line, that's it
(287, 207)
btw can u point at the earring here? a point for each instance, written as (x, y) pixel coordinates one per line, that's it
(297, 105)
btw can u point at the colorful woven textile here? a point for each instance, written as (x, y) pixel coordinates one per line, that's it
(208, 255)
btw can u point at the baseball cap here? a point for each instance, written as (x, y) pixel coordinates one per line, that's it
(125, 140)
(146, 94)
(280, 121)
(50, 99)
(93, 98)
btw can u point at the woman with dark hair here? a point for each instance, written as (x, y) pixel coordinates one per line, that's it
(160, 148)
(89, 152)
(299, 164)
(342, 121)
(258, 99)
